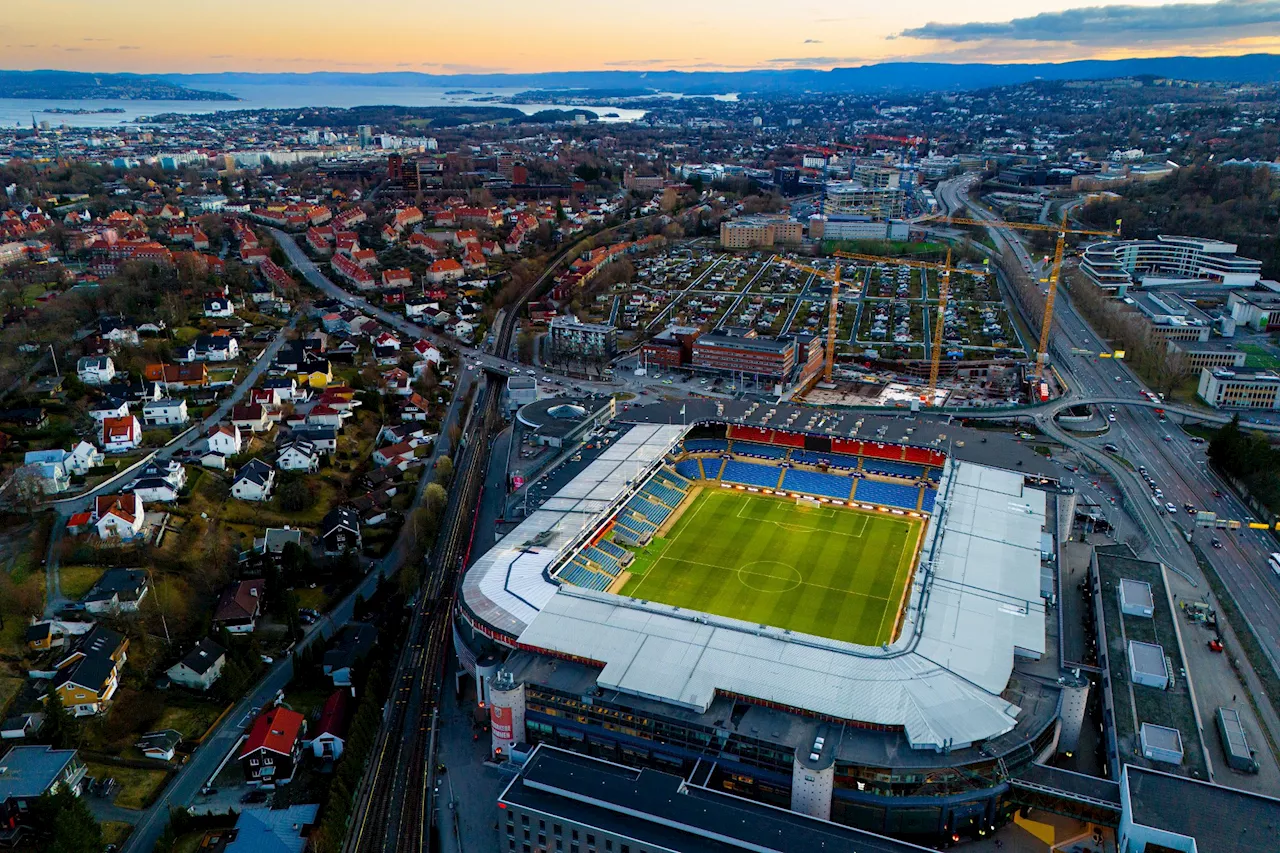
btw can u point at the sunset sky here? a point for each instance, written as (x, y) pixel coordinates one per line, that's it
(560, 35)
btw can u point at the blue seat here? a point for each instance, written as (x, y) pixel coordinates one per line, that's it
(608, 562)
(705, 445)
(764, 451)
(835, 460)
(750, 474)
(816, 483)
(887, 494)
(712, 468)
(893, 469)
(617, 551)
(689, 469)
(664, 493)
(930, 495)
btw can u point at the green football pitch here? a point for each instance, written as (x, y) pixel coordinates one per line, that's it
(813, 568)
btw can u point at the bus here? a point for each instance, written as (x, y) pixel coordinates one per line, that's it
(1274, 562)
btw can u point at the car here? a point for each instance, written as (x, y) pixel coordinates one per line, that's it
(1170, 508)
(1111, 418)
(1110, 448)
(267, 659)
(1215, 645)
(1217, 493)
(1168, 438)
(1118, 379)
(532, 372)
(1217, 543)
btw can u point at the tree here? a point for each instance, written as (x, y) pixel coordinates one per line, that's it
(444, 470)
(65, 820)
(434, 498)
(295, 494)
(60, 728)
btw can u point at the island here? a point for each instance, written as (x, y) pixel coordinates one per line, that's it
(74, 85)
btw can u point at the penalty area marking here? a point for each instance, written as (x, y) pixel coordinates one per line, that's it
(830, 512)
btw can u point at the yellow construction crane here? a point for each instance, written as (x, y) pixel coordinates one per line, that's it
(944, 290)
(1046, 322)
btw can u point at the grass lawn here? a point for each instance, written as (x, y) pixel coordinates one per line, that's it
(137, 787)
(9, 689)
(316, 599)
(78, 580)
(192, 718)
(115, 831)
(1259, 357)
(817, 569)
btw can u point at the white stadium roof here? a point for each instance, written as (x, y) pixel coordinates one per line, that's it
(978, 588)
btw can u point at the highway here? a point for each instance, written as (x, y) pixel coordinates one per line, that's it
(1176, 464)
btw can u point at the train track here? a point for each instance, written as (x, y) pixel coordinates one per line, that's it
(395, 804)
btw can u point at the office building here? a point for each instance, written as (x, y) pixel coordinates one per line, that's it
(876, 177)
(593, 340)
(1117, 265)
(736, 351)
(561, 800)
(365, 134)
(672, 347)
(1169, 317)
(1211, 353)
(760, 232)
(1239, 389)
(854, 199)
(1259, 308)
(857, 228)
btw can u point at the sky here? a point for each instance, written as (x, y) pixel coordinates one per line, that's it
(439, 36)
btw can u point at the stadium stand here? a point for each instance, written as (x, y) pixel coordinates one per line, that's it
(655, 512)
(689, 469)
(619, 553)
(930, 495)
(711, 468)
(664, 493)
(632, 528)
(893, 469)
(673, 479)
(887, 494)
(750, 474)
(606, 561)
(815, 483)
(761, 451)
(923, 456)
(705, 445)
(835, 460)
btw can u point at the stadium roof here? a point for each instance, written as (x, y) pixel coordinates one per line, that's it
(975, 604)
(507, 586)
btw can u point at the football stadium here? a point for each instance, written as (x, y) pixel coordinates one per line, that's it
(842, 614)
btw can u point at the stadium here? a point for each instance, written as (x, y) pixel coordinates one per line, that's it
(842, 614)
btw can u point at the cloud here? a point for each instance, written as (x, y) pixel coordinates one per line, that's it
(128, 47)
(93, 39)
(639, 63)
(813, 41)
(1121, 24)
(816, 61)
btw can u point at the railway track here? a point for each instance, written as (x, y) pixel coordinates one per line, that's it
(395, 804)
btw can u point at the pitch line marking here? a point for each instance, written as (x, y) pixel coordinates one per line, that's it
(803, 583)
(800, 528)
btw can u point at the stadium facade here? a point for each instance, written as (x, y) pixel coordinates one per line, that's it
(917, 738)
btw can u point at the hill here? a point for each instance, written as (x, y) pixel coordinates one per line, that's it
(67, 85)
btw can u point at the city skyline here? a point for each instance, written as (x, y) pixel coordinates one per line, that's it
(497, 36)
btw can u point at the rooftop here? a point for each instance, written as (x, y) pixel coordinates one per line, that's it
(1221, 820)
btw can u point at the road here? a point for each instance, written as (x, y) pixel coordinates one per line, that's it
(1176, 464)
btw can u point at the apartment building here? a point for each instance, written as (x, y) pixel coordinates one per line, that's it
(1223, 388)
(749, 232)
(736, 351)
(571, 337)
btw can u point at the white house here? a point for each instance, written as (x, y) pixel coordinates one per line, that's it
(118, 516)
(298, 455)
(253, 481)
(426, 350)
(201, 667)
(96, 370)
(83, 457)
(118, 591)
(224, 439)
(121, 434)
(219, 306)
(49, 469)
(165, 412)
(109, 408)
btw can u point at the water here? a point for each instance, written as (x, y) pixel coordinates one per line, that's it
(18, 111)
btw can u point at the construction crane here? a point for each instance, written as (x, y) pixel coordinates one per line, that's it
(832, 310)
(944, 291)
(1046, 322)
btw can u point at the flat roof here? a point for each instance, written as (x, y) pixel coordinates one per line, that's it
(1221, 820)
(662, 811)
(28, 771)
(1148, 659)
(1136, 593)
(1162, 737)
(975, 603)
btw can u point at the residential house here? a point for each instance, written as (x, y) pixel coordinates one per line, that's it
(330, 734)
(349, 649)
(118, 331)
(415, 408)
(285, 830)
(43, 635)
(87, 679)
(315, 371)
(253, 481)
(427, 351)
(217, 347)
(83, 457)
(49, 470)
(165, 412)
(275, 539)
(108, 407)
(161, 745)
(200, 667)
(444, 271)
(323, 414)
(398, 382)
(21, 727)
(298, 455)
(118, 517)
(373, 507)
(26, 774)
(325, 438)
(286, 389)
(271, 751)
(177, 376)
(239, 606)
(96, 370)
(219, 306)
(120, 435)
(154, 490)
(397, 455)
(251, 417)
(117, 591)
(224, 439)
(340, 531)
